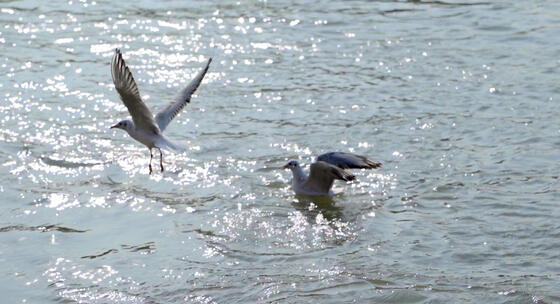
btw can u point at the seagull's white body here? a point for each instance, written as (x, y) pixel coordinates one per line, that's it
(299, 180)
(151, 139)
(329, 166)
(144, 137)
(144, 127)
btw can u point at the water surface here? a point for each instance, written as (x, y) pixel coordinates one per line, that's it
(458, 100)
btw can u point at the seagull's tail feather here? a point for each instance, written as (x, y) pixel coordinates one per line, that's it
(164, 143)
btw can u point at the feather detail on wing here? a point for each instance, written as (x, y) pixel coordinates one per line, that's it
(128, 91)
(348, 160)
(322, 176)
(165, 116)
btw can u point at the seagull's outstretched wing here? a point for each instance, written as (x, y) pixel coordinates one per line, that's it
(348, 160)
(165, 116)
(322, 176)
(128, 90)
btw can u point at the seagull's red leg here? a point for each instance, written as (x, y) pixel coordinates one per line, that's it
(151, 156)
(161, 160)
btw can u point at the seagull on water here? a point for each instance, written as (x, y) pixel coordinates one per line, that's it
(325, 170)
(144, 127)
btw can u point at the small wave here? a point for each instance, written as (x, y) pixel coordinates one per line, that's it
(41, 228)
(68, 164)
(148, 247)
(94, 256)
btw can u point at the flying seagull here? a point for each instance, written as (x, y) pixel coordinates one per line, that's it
(325, 170)
(144, 127)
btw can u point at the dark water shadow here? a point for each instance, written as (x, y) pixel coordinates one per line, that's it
(145, 248)
(311, 206)
(41, 228)
(68, 164)
(95, 256)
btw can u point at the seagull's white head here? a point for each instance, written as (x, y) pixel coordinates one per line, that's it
(293, 164)
(124, 124)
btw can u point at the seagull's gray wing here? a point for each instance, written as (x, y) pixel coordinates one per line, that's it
(348, 160)
(322, 176)
(166, 115)
(128, 91)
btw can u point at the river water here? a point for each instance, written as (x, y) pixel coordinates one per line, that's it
(458, 100)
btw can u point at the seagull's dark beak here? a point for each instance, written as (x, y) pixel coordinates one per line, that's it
(115, 126)
(285, 167)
